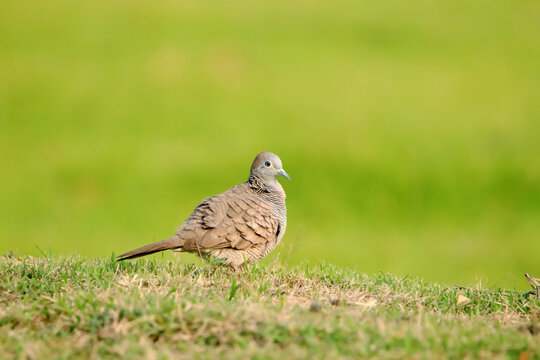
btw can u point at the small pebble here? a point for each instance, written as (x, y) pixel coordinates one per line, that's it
(315, 306)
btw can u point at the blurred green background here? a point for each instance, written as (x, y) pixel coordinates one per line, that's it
(411, 130)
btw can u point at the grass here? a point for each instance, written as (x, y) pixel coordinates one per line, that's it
(410, 129)
(71, 307)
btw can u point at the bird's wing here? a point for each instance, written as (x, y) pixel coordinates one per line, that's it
(236, 219)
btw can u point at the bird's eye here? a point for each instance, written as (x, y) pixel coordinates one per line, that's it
(267, 163)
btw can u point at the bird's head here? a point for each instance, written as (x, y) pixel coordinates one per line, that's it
(267, 166)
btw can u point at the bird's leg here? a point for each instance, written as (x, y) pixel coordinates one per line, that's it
(243, 268)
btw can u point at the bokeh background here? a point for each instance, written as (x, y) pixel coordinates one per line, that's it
(410, 129)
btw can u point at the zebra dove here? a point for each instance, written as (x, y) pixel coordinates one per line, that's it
(243, 224)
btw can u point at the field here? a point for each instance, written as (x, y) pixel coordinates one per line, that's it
(410, 129)
(78, 308)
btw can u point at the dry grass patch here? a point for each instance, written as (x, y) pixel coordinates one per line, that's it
(78, 308)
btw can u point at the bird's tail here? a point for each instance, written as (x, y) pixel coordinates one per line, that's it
(172, 243)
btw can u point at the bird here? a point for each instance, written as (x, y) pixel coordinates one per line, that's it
(241, 225)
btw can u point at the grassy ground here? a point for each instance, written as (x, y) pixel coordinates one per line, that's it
(76, 308)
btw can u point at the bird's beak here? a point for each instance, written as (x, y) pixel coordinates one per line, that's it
(284, 174)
